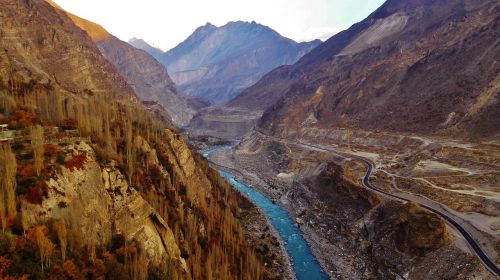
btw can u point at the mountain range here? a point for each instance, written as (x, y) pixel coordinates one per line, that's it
(413, 66)
(218, 63)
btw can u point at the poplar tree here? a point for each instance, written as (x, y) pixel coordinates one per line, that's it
(8, 169)
(37, 142)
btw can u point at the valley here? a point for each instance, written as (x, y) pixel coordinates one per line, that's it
(287, 171)
(375, 145)
(242, 154)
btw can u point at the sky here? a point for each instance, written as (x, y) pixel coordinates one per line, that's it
(166, 23)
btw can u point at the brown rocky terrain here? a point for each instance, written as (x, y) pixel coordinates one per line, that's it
(147, 76)
(355, 233)
(414, 66)
(92, 185)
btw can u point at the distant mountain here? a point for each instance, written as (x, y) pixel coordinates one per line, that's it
(148, 77)
(218, 63)
(420, 66)
(145, 46)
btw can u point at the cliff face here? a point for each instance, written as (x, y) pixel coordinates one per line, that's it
(92, 184)
(218, 63)
(413, 66)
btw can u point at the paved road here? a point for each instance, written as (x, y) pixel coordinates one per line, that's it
(472, 243)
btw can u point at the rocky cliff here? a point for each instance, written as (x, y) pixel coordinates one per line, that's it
(218, 63)
(92, 185)
(413, 66)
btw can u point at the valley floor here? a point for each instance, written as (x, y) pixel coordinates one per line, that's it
(461, 179)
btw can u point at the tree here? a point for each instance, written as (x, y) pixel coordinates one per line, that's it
(24, 217)
(45, 246)
(8, 169)
(129, 150)
(62, 235)
(37, 142)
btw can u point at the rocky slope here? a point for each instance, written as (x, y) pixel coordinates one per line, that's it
(92, 185)
(148, 78)
(218, 63)
(414, 66)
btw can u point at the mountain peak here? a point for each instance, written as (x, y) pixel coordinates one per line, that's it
(209, 24)
(213, 53)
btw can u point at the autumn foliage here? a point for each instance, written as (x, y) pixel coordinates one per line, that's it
(76, 162)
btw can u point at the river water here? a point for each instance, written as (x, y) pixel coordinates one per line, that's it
(305, 265)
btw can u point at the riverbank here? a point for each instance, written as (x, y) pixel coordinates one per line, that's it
(260, 232)
(223, 159)
(304, 263)
(352, 232)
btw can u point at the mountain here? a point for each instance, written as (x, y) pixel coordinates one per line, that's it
(411, 66)
(148, 78)
(143, 45)
(93, 185)
(218, 63)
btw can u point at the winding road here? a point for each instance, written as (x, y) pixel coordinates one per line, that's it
(488, 263)
(472, 243)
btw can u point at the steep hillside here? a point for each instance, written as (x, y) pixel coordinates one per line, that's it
(218, 63)
(412, 66)
(92, 185)
(148, 78)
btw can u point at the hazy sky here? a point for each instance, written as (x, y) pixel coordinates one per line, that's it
(165, 23)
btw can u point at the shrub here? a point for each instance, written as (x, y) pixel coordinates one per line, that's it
(37, 193)
(77, 162)
(25, 171)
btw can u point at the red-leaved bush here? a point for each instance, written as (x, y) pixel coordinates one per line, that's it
(37, 193)
(26, 170)
(77, 162)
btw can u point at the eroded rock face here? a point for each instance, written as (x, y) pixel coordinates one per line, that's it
(102, 204)
(401, 233)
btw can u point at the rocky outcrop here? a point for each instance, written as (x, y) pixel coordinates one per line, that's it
(100, 204)
(218, 63)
